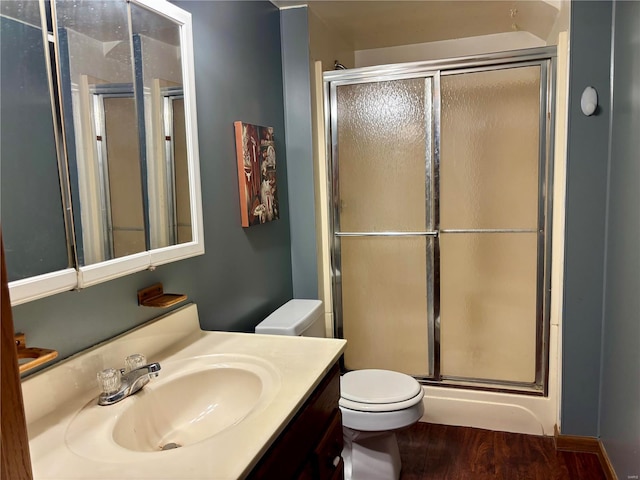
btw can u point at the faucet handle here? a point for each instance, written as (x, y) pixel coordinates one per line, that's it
(109, 380)
(134, 361)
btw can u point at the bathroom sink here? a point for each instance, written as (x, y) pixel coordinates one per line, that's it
(196, 399)
(188, 409)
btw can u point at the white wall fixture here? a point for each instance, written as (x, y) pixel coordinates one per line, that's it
(589, 101)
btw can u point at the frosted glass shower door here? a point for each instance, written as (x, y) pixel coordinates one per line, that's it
(383, 241)
(491, 225)
(123, 177)
(441, 183)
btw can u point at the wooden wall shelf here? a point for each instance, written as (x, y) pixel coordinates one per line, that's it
(154, 296)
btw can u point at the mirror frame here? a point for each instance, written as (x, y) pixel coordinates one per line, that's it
(40, 286)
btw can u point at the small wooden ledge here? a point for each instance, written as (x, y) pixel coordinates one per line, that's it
(154, 296)
(39, 355)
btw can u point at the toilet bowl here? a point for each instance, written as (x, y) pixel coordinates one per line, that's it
(374, 403)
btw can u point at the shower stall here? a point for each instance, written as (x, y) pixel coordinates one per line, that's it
(440, 198)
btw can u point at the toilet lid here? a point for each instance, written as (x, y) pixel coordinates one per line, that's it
(378, 386)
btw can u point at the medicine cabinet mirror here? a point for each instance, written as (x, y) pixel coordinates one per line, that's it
(127, 102)
(38, 253)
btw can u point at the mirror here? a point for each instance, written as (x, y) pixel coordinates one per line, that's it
(158, 62)
(101, 129)
(33, 220)
(102, 142)
(128, 102)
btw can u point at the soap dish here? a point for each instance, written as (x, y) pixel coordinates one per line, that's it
(31, 357)
(154, 296)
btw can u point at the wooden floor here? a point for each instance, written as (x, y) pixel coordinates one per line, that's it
(438, 452)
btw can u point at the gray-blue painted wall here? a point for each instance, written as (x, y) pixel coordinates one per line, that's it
(245, 273)
(297, 98)
(620, 389)
(588, 146)
(601, 324)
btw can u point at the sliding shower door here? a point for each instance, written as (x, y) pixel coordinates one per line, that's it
(383, 223)
(490, 223)
(440, 233)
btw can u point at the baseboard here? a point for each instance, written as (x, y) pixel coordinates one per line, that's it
(575, 443)
(605, 463)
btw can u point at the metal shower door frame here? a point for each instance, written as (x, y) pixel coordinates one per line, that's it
(431, 220)
(545, 57)
(99, 93)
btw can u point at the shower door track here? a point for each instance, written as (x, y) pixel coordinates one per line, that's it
(545, 57)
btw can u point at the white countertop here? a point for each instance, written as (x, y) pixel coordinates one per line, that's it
(55, 396)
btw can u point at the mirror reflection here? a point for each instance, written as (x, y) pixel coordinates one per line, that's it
(157, 57)
(32, 209)
(101, 128)
(124, 117)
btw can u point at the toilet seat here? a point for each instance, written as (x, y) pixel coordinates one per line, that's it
(374, 390)
(380, 421)
(380, 407)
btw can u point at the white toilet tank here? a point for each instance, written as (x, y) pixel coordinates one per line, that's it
(297, 317)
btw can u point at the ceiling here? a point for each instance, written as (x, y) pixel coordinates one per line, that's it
(375, 24)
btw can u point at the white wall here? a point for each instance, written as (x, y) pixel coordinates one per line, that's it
(461, 47)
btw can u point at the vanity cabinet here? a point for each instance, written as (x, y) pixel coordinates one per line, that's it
(310, 446)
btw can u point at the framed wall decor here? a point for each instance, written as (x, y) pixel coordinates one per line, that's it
(256, 156)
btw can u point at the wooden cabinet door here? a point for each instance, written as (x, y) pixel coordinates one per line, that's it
(16, 462)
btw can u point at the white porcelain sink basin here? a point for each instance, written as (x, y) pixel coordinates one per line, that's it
(191, 401)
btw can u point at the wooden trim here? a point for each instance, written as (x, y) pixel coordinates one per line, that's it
(576, 443)
(605, 463)
(16, 461)
(244, 207)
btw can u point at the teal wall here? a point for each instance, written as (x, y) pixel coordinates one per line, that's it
(587, 150)
(601, 324)
(295, 70)
(245, 273)
(620, 384)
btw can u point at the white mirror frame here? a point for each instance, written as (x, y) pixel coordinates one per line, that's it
(40, 286)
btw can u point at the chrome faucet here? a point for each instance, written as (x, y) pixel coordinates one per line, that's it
(119, 384)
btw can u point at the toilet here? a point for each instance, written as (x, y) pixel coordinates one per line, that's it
(374, 403)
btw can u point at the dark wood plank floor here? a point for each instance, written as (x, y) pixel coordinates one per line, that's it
(439, 452)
